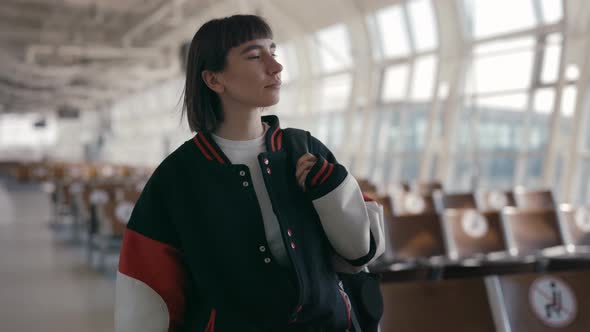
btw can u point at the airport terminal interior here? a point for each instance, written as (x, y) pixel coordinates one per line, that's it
(467, 121)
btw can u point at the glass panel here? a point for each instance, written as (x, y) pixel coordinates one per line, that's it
(395, 83)
(497, 171)
(424, 75)
(552, 10)
(423, 24)
(544, 101)
(568, 107)
(506, 103)
(333, 44)
(534, 171)
(462, 174)
(290, 102)
(465, 130)
(286, 56)
(500, 16)
(322, 131)
(334, 93)
(572, 72)
(393, 32)
(551, 63)
(503, 72)
(410, 167)
(540, 119)
(414, 129)
(354, 144)
(337, 131)
(501, 121)
(558, 176)
(387, 127)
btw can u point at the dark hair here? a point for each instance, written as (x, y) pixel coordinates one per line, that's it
(208, 51)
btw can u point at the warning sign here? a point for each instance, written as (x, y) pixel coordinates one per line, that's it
(553, 301)
(414, 203)
(474, 224)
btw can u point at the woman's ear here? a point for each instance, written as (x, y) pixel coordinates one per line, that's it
(212, 81)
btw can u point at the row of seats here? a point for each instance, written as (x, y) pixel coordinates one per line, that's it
(538, 302)
(452, 236)
(92, 202)
(492, 261)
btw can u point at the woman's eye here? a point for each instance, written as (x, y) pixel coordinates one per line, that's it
(254, 57)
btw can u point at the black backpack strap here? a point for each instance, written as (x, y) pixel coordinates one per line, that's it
(297, 142)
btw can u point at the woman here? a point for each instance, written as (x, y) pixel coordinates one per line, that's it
(229, 233)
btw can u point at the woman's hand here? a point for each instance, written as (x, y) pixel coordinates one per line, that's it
(304, 165)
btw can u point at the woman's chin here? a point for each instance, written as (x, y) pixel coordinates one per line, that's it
(270, 102)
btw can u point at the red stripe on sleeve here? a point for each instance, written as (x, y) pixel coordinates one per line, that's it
(211, 324)
(201, 148)
(159, 266)
(317, 176)
(330, 169)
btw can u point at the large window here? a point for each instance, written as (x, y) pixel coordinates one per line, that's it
(491, 18)
(505, 122)
(405, 42)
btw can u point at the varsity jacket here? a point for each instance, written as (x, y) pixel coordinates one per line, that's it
(195, 256)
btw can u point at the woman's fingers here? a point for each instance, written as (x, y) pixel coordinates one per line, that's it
(306, 157)
(301, 180)
(304, 167)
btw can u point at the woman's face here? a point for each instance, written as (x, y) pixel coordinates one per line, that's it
(252, 75)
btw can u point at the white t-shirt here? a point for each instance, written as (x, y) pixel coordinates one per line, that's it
(246, 153)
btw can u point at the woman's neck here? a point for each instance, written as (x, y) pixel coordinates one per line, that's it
(240, 124)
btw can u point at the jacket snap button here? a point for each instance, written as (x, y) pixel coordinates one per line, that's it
(245, 183)
(289, 232)
(267, 260)
(262, 248)
(266, 161)
(268, 170)
(242, 173)
(293, 245)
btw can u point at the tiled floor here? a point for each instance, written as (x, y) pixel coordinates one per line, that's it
(45, 283)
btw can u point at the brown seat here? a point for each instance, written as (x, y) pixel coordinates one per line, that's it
(552, 294)
(454, 201)
(529, 232)
(450, 305)
(473, 233)
(495, 200)
(534, 199)
(474, 238)
(413, 243)
(416, 237)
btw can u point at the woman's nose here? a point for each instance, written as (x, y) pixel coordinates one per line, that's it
(274, 67)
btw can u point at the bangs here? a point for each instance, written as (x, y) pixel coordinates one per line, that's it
(238, 29)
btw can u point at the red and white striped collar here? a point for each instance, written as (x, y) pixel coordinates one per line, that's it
(211, 151)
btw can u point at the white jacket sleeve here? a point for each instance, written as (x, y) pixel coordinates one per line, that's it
(352, 222)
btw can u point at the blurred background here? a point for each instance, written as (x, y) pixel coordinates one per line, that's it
(475, 96)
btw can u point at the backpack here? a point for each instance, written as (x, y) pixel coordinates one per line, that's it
(363, 287)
